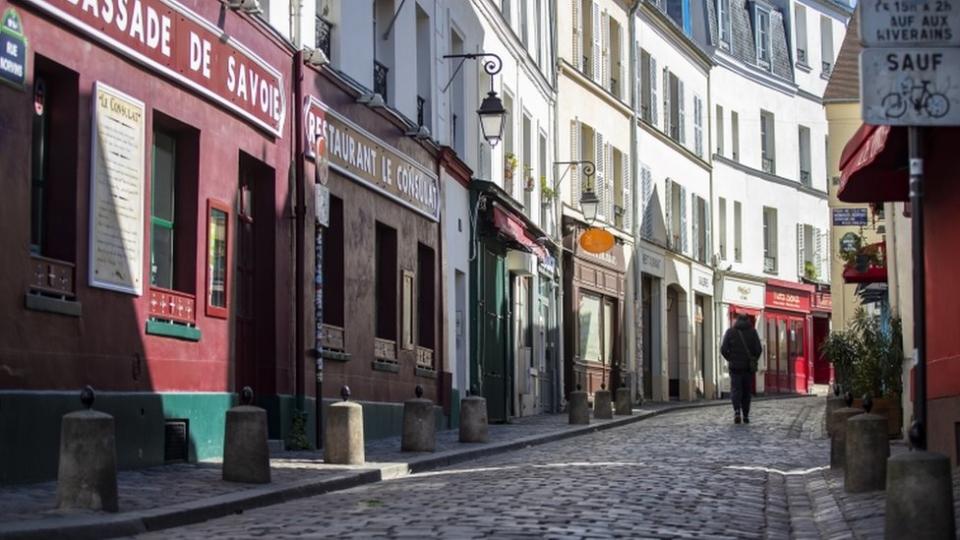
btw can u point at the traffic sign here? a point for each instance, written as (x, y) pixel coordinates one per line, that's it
(899, 23)
(910, 86)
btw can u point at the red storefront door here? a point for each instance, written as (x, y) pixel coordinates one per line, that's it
(787, 327)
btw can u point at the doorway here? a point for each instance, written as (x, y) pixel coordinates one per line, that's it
(460, 331)
(673, 341)
(527, 389)
(493, 333)
(646, 296)
(700, 344)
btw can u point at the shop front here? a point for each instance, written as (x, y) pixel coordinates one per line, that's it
(789, 342)
(740, 295)
(593, 314)
(821, 307)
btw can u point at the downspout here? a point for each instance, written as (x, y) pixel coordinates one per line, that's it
(638, 321)
(717, 298)
(558, 384)
(300, 211)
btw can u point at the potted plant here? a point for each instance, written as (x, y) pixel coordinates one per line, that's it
(509, 165)
(546, 192)
(810, 270)
(528, 183)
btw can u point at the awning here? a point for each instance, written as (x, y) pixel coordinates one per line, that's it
(874, 274)
(514, 229)
(873, 166)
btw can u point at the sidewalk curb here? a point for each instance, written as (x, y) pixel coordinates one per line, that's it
(141, 521)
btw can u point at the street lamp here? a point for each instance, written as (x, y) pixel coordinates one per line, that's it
(589, 203)
(491, 111)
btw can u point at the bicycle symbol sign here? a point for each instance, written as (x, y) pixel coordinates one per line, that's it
(910, 86)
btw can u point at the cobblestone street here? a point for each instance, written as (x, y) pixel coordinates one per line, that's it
(689, 474)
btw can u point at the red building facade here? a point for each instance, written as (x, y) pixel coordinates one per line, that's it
(789, 339)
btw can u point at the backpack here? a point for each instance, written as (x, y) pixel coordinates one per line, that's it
(754, 361)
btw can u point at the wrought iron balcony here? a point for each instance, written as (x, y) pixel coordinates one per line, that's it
(768, 165)
(770, 265)
(421, 105)
(380, 72)
(323, 30)
(826, 68)
(804, 177)
(802, 56)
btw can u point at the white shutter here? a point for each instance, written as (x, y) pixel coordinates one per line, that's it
(646, 186)
(605, 52)
(818, 255)
(653, 91)
(600, 178)
(683, 221)
(666, 101)
(668, 212)
(624, 58)
(627, 198)
(595, 68)
(682, 117)
(577, 35)
(698, 125)
(609, 186)
(575, 179)
(708, 249)
(695, 224)
(800, 261)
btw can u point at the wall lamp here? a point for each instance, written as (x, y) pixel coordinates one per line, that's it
(589, 202)
(491, 111)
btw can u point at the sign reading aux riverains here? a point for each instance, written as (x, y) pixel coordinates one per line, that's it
(167, 37)
(116, 191)
(365, 158)
(895, 23)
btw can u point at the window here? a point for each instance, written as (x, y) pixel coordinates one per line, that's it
(737, 232)
(800, 17)
(722, 211)
(509, 152)
(383, 52)
(623, 202)
(590, 315)
(679, 11)
(674, 107)
(426, 299)
(769, 240)
(698, 126)
(53, 158)
(590, 51)
(218, 237)
(538, 37)
(524, 25)
(648, 88)
(762, 21)
(701, 228)
(456, 100)
(162, 209)
(333, 271)
(617, 65)
(506, 8)
(677, 221)
(544, 182)
(529, 184)
(424, 66)
(719, 130)
(386, 281)
(826, 46)
(723, 21)
(808, 252)
(804, 140)
(767, 142)
(735, 135)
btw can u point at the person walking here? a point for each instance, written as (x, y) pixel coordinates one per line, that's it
(741, 348)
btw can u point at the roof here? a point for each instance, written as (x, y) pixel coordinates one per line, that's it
(742, 43)
(844, 82)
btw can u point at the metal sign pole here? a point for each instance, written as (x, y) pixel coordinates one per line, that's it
(918, 431)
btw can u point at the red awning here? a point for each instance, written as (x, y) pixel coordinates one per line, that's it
(873, 166)
(514, 229)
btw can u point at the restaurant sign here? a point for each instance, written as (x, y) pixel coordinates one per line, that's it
(788, 299)
(167, 37)
(363, 157)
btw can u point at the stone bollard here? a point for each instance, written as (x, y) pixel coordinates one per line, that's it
(833, 403)
(577, 410)
(624, 407)
(838, 437)
(343, 436)
(419, 425)
(867, 450)
(919, 497)
(246, 457)
(87, 477)
(601, 404)
(473, 419)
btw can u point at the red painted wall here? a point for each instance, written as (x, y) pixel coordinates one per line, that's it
(107, 346)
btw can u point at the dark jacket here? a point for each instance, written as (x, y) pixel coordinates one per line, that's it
(732, 348)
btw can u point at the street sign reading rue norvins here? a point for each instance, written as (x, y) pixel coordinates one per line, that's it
(918, 23)
(910, 86)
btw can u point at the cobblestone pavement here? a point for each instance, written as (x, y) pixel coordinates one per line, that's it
(691, 474)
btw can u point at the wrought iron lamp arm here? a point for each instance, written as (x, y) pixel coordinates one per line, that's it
(492, 65)
(587, 167)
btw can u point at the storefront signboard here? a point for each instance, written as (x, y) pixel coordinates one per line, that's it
(165, 36)
(849, 217)
(363, 157)
(822, 301)
(651, 263)
(702, 281)
(13, 50)
(116, 190)
(743, 293)
(788, 299)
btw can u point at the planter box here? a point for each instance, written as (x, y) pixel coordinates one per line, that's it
(889, 407)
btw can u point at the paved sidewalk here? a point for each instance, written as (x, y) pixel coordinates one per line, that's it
(173, 495)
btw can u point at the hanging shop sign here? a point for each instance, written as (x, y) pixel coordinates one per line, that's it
(596, 240)
(165, 36)
(116, 190)
(13, 50)
(850, 242)
(365, 158)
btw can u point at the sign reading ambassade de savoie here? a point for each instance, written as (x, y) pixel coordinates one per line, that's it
(363, 157)
(165, 36)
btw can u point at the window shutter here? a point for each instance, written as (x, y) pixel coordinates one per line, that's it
(624, 58)
(695, 224)
(627, 198)
(698, 125)
(818, 256)
(600, 177)
(646, 186)
(610, 188)
(682, 117)
(666, 101)
(577, 35)
(708, 249)
(595, 68)
(800, 250)
(653, 91)
(575, 187)
(683, 220)
(668, 208)
(605, 52)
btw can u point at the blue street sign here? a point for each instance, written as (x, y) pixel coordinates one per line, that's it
(13, 50)
(850, 216)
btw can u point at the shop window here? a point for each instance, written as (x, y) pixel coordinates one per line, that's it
(53, 156)
(426, 288)
(218, 259)
(590, 328)
(386, 282)
(333, 282)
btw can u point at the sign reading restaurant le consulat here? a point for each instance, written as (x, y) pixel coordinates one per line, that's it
(365, 158)
(167, 37)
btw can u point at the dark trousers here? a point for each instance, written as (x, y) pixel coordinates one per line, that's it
(740, 391)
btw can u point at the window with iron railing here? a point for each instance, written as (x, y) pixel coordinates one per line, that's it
(768, 165)
(421, 102)
(323, 30)
(380, 72)
(769, 265)
(827, 66)
(805, 177)
(801, 56)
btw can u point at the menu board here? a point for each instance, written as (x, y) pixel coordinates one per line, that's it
(116, 191)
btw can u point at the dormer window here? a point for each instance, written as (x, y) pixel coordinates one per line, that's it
(723, 22)
(762, 30)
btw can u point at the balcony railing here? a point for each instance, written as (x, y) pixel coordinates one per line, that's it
(768, 165)
(380, 72)
(424, 358)
(421, 105)
(385, 349)
(826, 67)
(333, 338)
(802, 56)
(323, 31)
(173, 306)
(52, 277)
(770, 264)
(805, 177)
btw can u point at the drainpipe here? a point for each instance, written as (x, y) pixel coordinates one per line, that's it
(558, 384)
(299, 235)
(638, 322)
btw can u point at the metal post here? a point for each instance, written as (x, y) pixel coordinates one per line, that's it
(318, 327)
(918, 432)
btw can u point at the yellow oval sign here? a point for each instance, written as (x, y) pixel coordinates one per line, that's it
(596, 240)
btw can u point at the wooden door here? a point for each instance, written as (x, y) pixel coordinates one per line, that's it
(245, 346)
